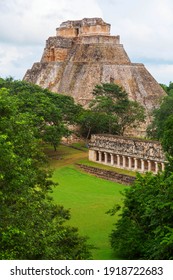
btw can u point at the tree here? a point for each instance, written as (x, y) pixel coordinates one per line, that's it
(51, 113)
(91, 122)
(113, 101)
(144, 230)
(161, 127)
(69, 110)
(168, 89)
(167, 144)
(160, 116)
(32, 226)
(53, 134)
(167, 137)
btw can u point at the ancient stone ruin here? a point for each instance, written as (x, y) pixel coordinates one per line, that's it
(84, 54)
(127, 153)
(108, 175)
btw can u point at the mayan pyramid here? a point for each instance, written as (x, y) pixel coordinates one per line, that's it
(84, 54)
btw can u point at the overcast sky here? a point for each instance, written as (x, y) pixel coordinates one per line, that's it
(145, 28)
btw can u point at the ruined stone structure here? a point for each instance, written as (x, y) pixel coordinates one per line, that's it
(127, 153)
(82, 55)
(108, 175)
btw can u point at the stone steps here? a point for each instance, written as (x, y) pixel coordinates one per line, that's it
(108, 175)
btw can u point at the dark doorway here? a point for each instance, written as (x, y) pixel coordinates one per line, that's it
(77, 32)
(52, 54)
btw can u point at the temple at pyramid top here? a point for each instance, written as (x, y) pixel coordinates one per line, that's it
(84, 27)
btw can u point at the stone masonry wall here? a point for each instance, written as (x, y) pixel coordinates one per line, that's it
(56, 49)
(85, 27)
(144, 149)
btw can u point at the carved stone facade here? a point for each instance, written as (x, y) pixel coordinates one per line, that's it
(127, 153)
(84, 54)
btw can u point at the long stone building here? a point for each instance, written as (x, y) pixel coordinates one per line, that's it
(127, 153)
(84, 54)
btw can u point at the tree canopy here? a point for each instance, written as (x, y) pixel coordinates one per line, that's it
(91, 122)
(144, 230)
(51, 113)
(168, 89)
(32, 226)
(160, 116)
(111, 100)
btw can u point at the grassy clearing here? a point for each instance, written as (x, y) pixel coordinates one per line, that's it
(87, 197)
(64, 156)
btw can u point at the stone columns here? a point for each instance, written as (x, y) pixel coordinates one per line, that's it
(126, 162)
(112, 159)
(106, 157)
(136, 164)
(118, 161)
(100, 156)
(130, 163)
(156, 167)
(142, 165)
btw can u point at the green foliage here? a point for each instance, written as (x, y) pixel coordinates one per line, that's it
(157, 128)
(168, 89)
(112, 100)
(69, 110)
(91, 122)
(50, 113)
(144, 230)
(162, 128)
(32, 226)
(167, 138)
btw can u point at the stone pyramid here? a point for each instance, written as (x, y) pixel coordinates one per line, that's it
(84, 54)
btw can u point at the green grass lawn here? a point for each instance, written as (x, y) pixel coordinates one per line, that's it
(88, 198)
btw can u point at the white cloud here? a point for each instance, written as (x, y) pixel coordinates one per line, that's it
(145, 28)
(25, 26)
(29, 22)
(161, 72)
(14, 60)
